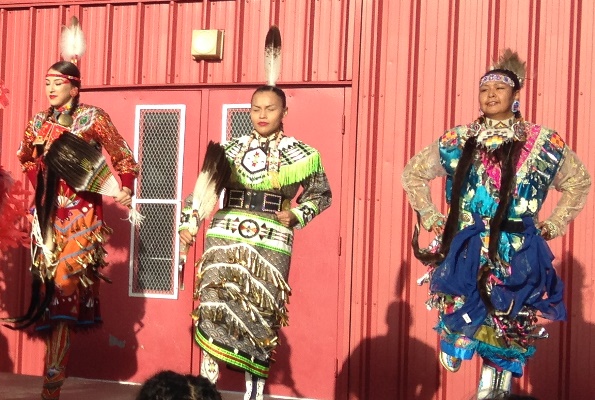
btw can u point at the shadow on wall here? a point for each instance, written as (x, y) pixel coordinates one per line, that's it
(14, 264)
(281, 369)
(110, 352)
(6, 363)
(563, 364)
(393, 366)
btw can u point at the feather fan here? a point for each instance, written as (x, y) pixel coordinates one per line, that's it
(213, 176)
(272, 55)
(72, 41)
(510, 61)
(84, 168)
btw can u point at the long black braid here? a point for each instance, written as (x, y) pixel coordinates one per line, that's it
(45, 204)
(507, 155)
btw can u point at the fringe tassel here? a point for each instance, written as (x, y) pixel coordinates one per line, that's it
(287, 175)
(221, 313)
(135, 217)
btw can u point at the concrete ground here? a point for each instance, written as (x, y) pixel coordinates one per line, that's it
(26, 387)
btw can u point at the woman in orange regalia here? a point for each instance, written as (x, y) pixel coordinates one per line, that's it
(68, 229)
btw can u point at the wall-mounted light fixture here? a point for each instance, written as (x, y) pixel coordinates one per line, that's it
(207, 44)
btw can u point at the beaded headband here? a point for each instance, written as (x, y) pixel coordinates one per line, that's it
(498, 78)
(68, 77)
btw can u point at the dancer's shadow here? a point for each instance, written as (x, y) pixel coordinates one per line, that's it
(281, 369)
(116, 339)
(563, 364)
(404, 368)
(6, 363)
(12, 294)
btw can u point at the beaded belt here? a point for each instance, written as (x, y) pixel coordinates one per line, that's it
(254, 200)
(512, 226)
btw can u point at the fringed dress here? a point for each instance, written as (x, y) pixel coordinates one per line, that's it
(78, 230)
(242, 276)
(522, 282)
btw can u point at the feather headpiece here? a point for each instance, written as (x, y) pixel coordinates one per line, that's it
(510, 61)
(272, 55)
(72, 41)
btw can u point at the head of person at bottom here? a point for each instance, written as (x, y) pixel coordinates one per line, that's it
(170, 385)
(268, 107)
(504, 395)
(62, 84)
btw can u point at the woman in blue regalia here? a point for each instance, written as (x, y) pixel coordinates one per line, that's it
(492, 274)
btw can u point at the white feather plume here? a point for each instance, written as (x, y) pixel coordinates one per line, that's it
(72, 42)
(272, 55)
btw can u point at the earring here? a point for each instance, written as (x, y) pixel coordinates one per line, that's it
(515, 106)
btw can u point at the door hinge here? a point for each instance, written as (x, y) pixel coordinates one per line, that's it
(340, 243)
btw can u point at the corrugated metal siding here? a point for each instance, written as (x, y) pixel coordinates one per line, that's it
(420, 63)
(415, 66)
(149, 42)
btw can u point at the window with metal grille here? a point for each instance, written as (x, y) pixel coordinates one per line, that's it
(159, 150)
(236, 121)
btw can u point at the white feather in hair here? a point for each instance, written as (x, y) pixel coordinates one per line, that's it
(72, 42)
(272, 56)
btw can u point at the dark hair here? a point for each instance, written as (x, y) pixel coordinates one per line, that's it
(274, 89)
(504, 395)
(68, 68)
(170, 385)
(508, 155)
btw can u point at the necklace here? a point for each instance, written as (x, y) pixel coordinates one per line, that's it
(258, 154)
(491, 134)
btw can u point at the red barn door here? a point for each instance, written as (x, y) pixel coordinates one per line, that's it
(146, 311)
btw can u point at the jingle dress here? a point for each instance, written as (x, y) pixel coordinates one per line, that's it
(242, 276)
(522, 281)
(78, 228)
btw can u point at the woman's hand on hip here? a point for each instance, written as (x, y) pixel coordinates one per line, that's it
(287, 218)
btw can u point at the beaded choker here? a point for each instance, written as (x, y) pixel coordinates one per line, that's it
(268, 145)
(491, 134)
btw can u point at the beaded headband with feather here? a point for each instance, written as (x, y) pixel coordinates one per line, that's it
(509, 68)
(72, 46)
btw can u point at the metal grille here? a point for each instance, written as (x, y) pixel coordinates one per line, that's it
(160, 138)
(158, 153)
(155, 245)
(237, 121)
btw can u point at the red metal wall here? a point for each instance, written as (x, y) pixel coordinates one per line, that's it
(413, 68)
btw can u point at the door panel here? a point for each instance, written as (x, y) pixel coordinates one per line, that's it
(306, 358)
(142, 335)
(139, 335)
